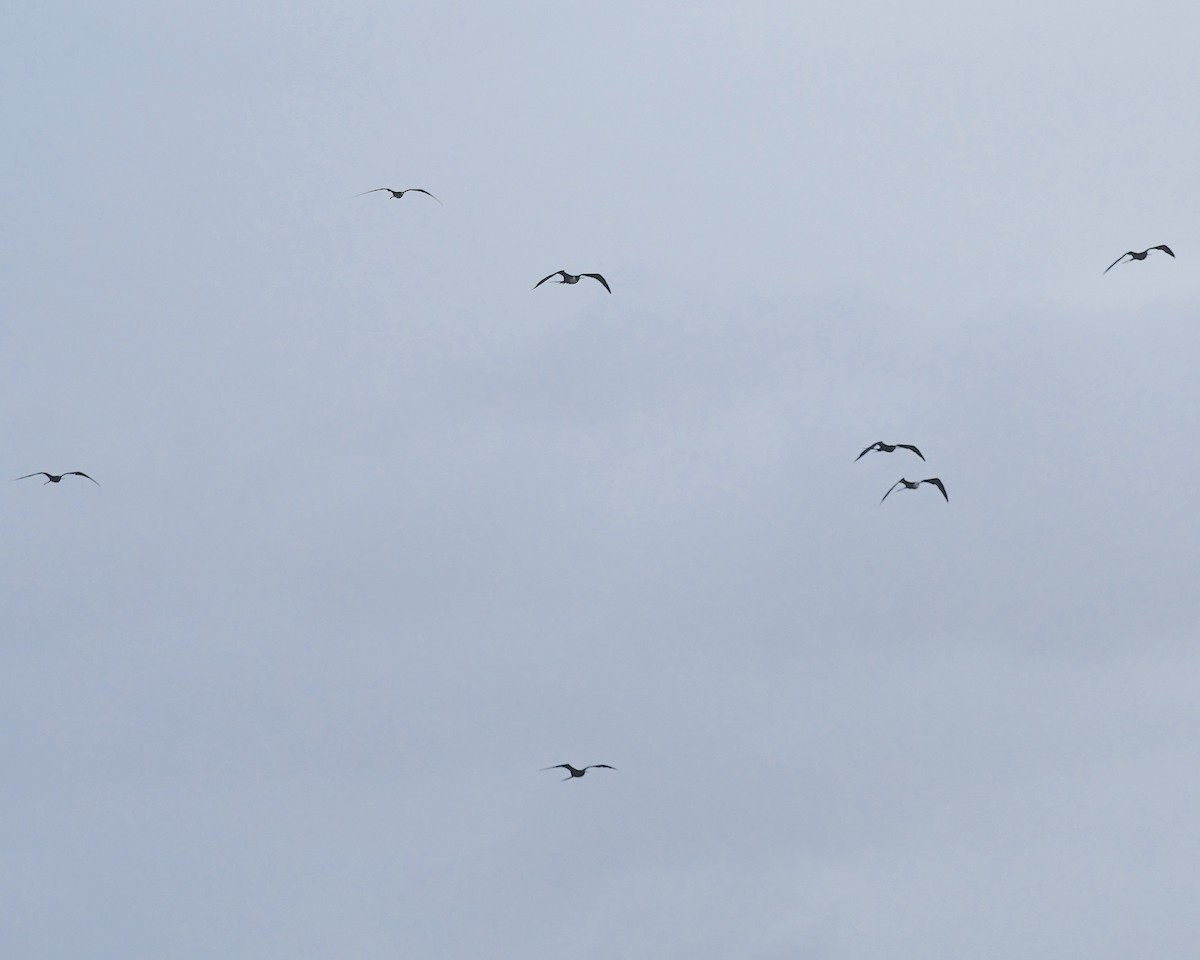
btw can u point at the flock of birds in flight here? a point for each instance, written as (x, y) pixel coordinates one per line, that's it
(879, 446)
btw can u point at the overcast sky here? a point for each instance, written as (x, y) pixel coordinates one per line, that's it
(381, 531)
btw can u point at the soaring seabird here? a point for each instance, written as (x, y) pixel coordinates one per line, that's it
(397, 194)
(53, 477)
(573, 772)
(913, 484)
(573, 278)
(1139, 256)
(888, 448)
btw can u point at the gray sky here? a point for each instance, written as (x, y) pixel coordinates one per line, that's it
(382, 531)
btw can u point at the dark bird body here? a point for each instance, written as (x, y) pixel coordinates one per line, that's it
(573, 278)
(55, 477)
(913, 484)
(1139, 256)
(573, 772)
(398, 194)
(882, 447)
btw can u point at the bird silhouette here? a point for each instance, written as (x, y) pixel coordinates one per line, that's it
(1139, 256)
(398, 194)
(573, 278)
(913, 484)
(54, 477)
(882, 447)
(573, 772)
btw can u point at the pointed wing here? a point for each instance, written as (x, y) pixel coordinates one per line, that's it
(376, 190)
(558, 766)
(868, 450)
(601, 766)
(909, 446)
(79, 473)
(1164, 248)
(1127, 253)
(40, 473)
(938, 483)
(419, 190)
(890, 489)
(596, 276)
(556, 273)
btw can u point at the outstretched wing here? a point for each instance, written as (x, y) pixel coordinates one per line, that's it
(556, 273)
(909, 446)
(79, 473)
(596, 276)
(419, 190)
(891, 488)
(40, 473)
(1127, 253)
(376, 190)
(938, 483)
(602, 766)
(558, 766)
(877, 443)
(1164, 248)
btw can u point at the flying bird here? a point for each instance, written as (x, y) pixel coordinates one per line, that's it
(1139, 256)
(573, 772)
(913, 484)
(888, 448)
(573, 278)
(397, 194)
(54, 477)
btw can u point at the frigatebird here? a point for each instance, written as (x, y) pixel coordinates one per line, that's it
(573, 278)
(913, 484)
(54, 477)
(882, 447)
(573, 772)
(397, 194)
(1139, 256)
